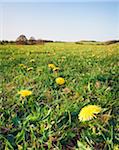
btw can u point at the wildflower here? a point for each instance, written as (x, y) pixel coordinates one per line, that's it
(88, 112)
(25, 93)
(60, 80)
(52, 66)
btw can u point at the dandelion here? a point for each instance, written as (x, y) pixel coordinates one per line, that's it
(25, 93)
(88, 112)
(52, 66)
(60, 80)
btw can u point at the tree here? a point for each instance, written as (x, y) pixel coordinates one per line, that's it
(32, 41)
(22, 40)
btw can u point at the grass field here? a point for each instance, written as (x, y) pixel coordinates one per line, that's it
(49, 117)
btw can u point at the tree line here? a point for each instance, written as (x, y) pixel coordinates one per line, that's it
(22, 40)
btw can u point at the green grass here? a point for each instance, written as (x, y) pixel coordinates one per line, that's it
(48, 119)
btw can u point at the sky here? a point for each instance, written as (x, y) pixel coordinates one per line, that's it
(60, 21)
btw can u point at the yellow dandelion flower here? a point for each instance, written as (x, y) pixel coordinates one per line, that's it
(52, 66)
(25, 93)
(60, 80)
(88, 112)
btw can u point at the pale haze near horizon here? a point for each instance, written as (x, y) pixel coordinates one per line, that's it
(60, 21)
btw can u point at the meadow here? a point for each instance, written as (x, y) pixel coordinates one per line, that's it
(48, 116)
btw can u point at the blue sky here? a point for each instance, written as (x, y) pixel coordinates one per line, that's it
(68, 21)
